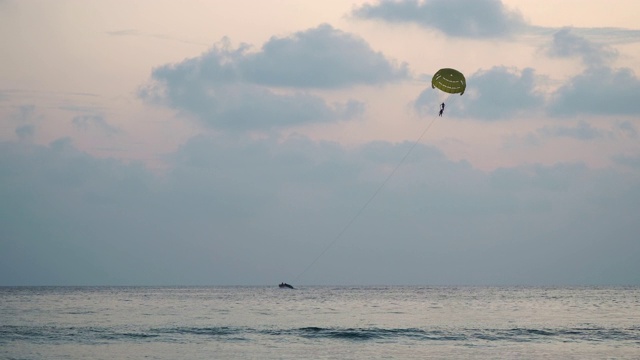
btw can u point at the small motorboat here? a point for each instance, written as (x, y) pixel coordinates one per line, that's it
(285, 286)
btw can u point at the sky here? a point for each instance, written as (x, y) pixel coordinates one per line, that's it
(254, 142)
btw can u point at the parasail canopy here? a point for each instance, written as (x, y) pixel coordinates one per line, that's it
(450, 81)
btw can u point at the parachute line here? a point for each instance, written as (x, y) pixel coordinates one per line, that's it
(371, 198)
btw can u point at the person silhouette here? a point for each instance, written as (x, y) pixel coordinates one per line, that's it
(441, 109)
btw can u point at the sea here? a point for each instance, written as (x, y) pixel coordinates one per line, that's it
(320, 322)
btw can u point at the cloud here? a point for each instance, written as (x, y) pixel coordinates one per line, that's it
(627, 128)
(27, 117)
(87, 121)
(556, 179)
(458, 18)
(25, 113)
(25, 131)
(481, 19)
(566, 44)
(630, 161)
(601, 91)
(241, 107)
(322, 57)
(234, 89)
(233, 211)
(495, 94)
(607, 35)
(582, 131)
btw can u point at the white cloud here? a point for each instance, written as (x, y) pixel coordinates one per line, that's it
(25, 131)
(240, 107)
(566, 44)
(598, 90)
(25, 113)
(582, 131)
(628, 128)
(87, 121)
(458, 18)
(233, 89)
(323, 57)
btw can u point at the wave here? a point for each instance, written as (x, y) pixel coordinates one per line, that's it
(359, 334)
(514, 334)
(52, 334)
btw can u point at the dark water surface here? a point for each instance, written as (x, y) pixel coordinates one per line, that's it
(324, 322)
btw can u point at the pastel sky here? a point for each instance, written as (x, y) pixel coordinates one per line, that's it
(252, 142)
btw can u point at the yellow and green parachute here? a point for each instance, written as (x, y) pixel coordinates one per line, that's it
(449, 80)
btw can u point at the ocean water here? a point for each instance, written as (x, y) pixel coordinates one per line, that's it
(320, 322)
